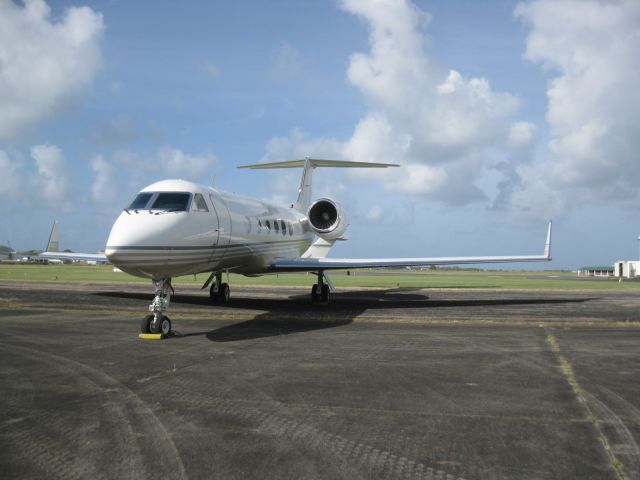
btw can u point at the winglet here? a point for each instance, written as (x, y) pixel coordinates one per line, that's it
(547, 245)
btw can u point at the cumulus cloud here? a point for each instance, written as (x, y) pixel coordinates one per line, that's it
(434, 121)
(175, 162)
(298, 145)
(439, 125)
(52, 177)
(168, 161)
(44, 179)
(11, 181)
(105, 187)
(590, 49)
(44, 64)
(521, 134)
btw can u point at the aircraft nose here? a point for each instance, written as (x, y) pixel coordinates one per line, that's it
(132, 234)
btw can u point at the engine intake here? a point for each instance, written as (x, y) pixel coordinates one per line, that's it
(326, 219)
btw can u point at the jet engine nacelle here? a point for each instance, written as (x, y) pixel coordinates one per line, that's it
(326, 219)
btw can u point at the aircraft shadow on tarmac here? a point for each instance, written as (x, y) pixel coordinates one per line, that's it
(294, 314)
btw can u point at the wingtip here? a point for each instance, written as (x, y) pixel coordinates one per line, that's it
(547, 245)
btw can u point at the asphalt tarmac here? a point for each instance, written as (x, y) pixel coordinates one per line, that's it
(403, 383)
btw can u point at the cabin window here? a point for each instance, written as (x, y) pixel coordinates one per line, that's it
(172, 201)
(268, 225)
(290, 229)
(140, 201)
(284, 227)
(276, 226)
(199, 203)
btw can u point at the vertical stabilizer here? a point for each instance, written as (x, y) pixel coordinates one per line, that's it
(54, 238)
(304, 192)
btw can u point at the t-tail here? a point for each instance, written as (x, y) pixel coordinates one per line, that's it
(309, 165)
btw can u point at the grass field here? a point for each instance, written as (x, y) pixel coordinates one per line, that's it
(81, 273)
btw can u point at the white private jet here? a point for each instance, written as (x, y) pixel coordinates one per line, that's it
(176, 227)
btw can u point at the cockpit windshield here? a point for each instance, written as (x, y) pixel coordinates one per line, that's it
(140, 201)
(173, 201)
(166, 201)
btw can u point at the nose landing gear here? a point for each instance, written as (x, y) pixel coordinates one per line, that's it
(158, 322)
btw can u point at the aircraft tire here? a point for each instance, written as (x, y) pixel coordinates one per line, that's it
(314, 294)
(324, 295)
(154, 327)
(146, 324)
(215, 296)
(165, 326)
(224, 293)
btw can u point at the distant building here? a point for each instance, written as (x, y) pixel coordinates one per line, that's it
(627, 268)
(596, 271)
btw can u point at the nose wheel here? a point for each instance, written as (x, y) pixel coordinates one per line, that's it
(151, 324)
(158, 322)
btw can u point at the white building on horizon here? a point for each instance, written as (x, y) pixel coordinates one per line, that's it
(627, 268)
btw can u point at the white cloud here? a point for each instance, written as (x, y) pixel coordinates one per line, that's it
(460, 141)
(298, 145)
(43, 181)
(390, 214)
(168, 161)
(52, 178)
(435, 122)
(521, 134)
(11, 180)
(437, 115)
(105, 187)
(175, 162)
(43, 64)
(590, 48)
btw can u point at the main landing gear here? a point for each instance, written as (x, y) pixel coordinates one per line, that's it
(158, 322)
(320, 291)
(219, 291)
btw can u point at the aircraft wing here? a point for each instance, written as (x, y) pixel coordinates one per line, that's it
(317, 264)
(53, 245)
(85, 257)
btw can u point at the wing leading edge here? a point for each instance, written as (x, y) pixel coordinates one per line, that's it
(83, 257)
(317, 264)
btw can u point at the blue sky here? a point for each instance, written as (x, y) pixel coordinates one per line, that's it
(502, 114)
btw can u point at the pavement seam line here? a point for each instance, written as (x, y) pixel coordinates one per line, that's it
(570, 376)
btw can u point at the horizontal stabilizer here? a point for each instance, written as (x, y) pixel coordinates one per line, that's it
(309, 164)
(319, 163)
